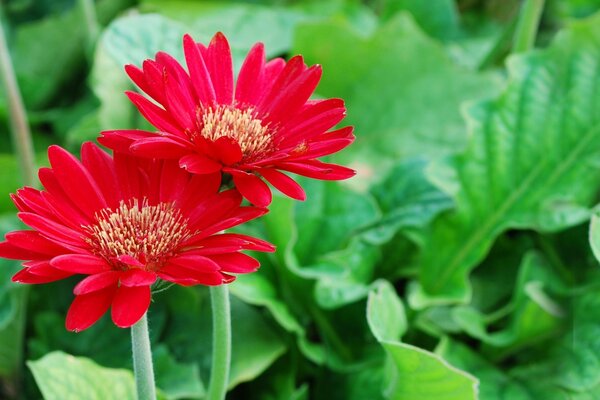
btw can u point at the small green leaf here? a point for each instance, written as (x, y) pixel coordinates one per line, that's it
(385, 313)
(61, 376)
(421, 375)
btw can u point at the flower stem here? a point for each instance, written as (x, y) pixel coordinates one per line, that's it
(527, 25)
(221, 358)
(18, 116)
(142, 360)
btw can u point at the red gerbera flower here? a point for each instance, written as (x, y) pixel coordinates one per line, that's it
(127, 222)
(265, 125)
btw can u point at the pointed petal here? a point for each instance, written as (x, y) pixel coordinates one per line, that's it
(88, 308)
(220, 66)
(237, 263)
(199, 75)
(250, 75)
(129, 305)
(318, 170)
(154, 114)
(12, 252)
(283, 183)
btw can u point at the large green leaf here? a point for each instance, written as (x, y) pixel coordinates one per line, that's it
(402, 91)
(128, 40)
(62, 377)
(531, 161)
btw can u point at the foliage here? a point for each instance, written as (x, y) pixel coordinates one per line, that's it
(456, 265)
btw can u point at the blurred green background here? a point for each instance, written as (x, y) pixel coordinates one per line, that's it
(459, 253)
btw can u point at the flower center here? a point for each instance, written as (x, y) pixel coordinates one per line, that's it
(137, 235)
(253, 137)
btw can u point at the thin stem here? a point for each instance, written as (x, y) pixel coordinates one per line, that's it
(221, 358)
(527, 26)
(18, 116)
(142, 360)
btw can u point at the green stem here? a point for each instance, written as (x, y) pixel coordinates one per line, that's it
(221, 357)
(142, 360)
(18, 116)
(527, 26)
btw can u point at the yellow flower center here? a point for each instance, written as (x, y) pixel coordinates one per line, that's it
(253, 137)
(148, 234)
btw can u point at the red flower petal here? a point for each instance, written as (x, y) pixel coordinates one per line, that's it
(198, 164)
(12, 252)
(76, 180)
(88, 308)
(27, 276)
(120, 140)
(318, 170)
(158, 147)
(53, 231)
(33, 241)
(102, 169)
(137, 277)
(283, 183)
(252, 188)
(220, 66)
(129, 305)
(199, 75)
(237, 263)
(189, 277)
(227, 150)
(250, 74)
(96, 282)
(80, 264)
(158, 117)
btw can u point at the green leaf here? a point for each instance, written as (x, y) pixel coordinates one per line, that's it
(257, 290)
(176, 381)
(594, 236)
(494, 383)
(407, 199)
(531, 162)
(421, 375)
(402, 91)
(438, 18)
(129, 40)
(534, 315)
(331, 215)
(385, 313)
(13, 301)
(61, 376)
(243, 24)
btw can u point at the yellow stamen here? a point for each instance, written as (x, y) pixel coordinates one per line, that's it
(150, 234)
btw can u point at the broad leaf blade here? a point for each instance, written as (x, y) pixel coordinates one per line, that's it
(423, 375)
(531, 162)
(61, 376)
